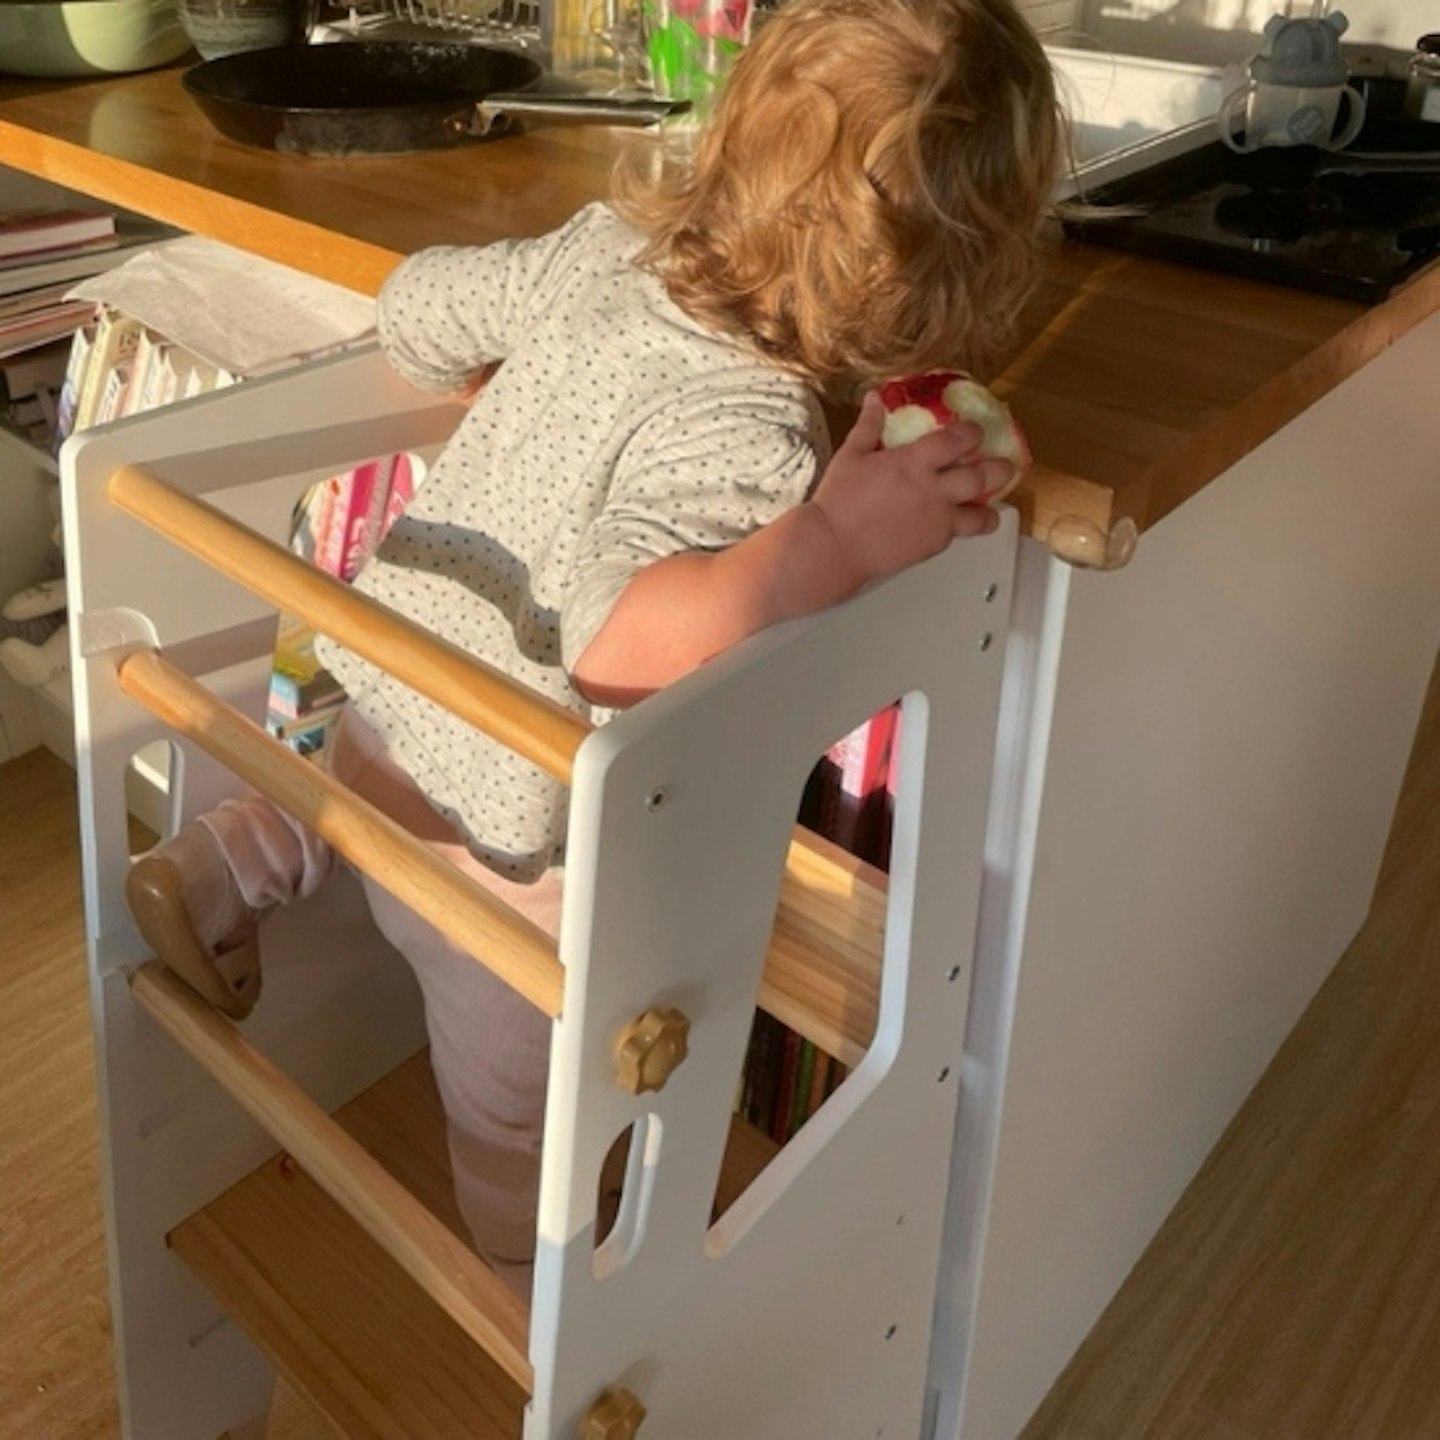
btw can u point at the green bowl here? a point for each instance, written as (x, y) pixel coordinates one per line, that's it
(54, 39)
(227, 27)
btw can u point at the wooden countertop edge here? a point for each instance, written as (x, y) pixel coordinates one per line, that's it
(1047, 497)
(1248, 425)
(299, 244)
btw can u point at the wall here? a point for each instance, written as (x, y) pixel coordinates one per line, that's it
(1049, 16)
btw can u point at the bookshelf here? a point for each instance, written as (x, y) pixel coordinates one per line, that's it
(29, 478)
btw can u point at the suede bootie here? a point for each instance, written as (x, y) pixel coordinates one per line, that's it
(189, 909)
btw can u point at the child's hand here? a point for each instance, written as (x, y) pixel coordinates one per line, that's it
(890, 509)
(874, 512)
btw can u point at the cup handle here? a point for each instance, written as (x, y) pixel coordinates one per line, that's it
(1226, 119)
(1355, 103)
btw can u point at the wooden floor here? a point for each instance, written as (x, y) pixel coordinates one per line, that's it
(1293, 1295)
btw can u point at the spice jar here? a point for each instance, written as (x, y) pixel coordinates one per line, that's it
(1422, 93)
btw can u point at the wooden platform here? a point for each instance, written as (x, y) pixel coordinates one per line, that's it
(343, 1324)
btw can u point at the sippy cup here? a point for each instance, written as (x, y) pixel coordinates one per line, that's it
(1295, 88)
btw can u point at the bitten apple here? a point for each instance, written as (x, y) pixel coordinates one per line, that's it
(919, 404)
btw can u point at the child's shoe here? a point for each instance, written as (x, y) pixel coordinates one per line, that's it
(188, 907)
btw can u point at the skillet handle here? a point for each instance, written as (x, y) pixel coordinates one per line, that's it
(575, 109)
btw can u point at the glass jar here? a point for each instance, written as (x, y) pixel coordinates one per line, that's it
(598, 44)
(1422, 93)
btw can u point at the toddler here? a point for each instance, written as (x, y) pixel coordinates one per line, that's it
(647, 479)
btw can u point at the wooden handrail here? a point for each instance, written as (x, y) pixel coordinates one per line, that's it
(512, 713)
(822, 978)
(452, 1274)
(514, 948)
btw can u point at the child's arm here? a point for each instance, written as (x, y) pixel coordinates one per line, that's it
(874, 512)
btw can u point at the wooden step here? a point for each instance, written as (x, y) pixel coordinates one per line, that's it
(342, 1322)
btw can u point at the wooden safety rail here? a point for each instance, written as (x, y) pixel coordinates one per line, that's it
(822, 979)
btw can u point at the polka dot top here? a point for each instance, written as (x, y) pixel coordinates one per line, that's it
(616, 432)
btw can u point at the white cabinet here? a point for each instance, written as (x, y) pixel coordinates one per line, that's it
(29, 512)
(1203, 756)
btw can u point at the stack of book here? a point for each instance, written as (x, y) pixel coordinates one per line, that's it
(337, 526)
(850, 799)
(118, 366)
(32, 318)
(50, 244)
(44, 250)
(305, 699)
(39, 232)
(786, 1079)
(343, 519)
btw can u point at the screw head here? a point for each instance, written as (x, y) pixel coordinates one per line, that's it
(616, 1415)
(650, 1049)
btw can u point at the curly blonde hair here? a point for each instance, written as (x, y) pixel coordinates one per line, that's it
(867, 200)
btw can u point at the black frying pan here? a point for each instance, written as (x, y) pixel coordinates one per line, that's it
(381, 97)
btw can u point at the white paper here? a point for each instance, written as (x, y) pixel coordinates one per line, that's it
(239, 312)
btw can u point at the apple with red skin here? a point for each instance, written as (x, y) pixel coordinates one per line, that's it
(919, 404)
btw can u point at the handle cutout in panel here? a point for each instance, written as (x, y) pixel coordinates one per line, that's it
(152, 792)
(625, 1190)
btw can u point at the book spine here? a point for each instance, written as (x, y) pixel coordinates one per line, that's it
(749, 1073)
(366, 502)
(294, 695)
(804, 1079)
(785, 1087)
(112, 395)
(116, 337)
(37, 230)
(877, 788)
(295, 647)
(818, 1089)
(81, 344)
(333, 520)
(766, 1073)
(142, 365)
(401, 491)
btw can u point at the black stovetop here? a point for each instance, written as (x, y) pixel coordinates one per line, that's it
(1347, 224)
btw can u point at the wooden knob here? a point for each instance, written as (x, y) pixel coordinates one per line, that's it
(616, 1415)
(650, 1048)
(1083, 543)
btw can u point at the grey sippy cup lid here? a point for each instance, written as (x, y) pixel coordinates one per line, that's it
(1302, 53)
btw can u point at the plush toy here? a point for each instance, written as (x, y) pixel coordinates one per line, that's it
(35, 648)
(919, 404)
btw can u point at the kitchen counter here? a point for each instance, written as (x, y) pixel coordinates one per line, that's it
(1193, 775)
(1138, 381)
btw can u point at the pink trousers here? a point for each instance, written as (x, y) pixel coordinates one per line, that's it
(488, 1047)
